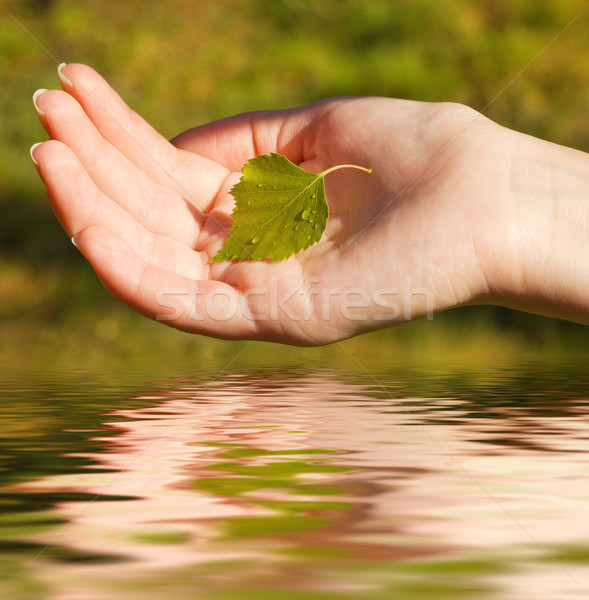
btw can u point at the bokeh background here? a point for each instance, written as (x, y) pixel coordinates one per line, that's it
(187, 62)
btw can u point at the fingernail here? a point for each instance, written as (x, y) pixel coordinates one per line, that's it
(73, 239)
(33, 149)
(62, 76)
(36, 95)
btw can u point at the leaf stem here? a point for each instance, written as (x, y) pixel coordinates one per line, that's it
(366, 170)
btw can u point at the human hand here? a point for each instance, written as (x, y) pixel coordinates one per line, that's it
(417, 236)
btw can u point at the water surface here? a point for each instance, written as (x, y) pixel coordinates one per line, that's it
(296, 483)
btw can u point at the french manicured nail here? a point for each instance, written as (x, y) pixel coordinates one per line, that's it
(36, 95)
(61, 74)
(33, 150)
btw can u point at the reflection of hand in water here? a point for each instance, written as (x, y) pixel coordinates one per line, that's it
(262, 466)
(223, 463)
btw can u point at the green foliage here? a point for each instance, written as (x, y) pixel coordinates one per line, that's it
(186, 63)
(280, 209)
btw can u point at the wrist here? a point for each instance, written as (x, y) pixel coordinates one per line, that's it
(544, 265)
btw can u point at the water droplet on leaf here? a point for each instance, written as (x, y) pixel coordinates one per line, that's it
(291, 217)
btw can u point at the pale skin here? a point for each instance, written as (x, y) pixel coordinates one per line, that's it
(458, 210)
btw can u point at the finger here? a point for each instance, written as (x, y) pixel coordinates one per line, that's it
(155, 206)
(129, 132)
(232, 141)
(135, 138)
(79, 204)
(206, 307)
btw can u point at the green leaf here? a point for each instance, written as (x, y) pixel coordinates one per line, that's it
(280, 209)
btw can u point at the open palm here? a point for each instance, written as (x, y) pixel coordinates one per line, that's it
(149, 214)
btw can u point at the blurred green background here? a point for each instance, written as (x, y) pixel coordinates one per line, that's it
(187, 62)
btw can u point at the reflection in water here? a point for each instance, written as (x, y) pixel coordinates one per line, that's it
(320, 484)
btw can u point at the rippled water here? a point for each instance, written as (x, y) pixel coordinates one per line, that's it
(296, 484)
